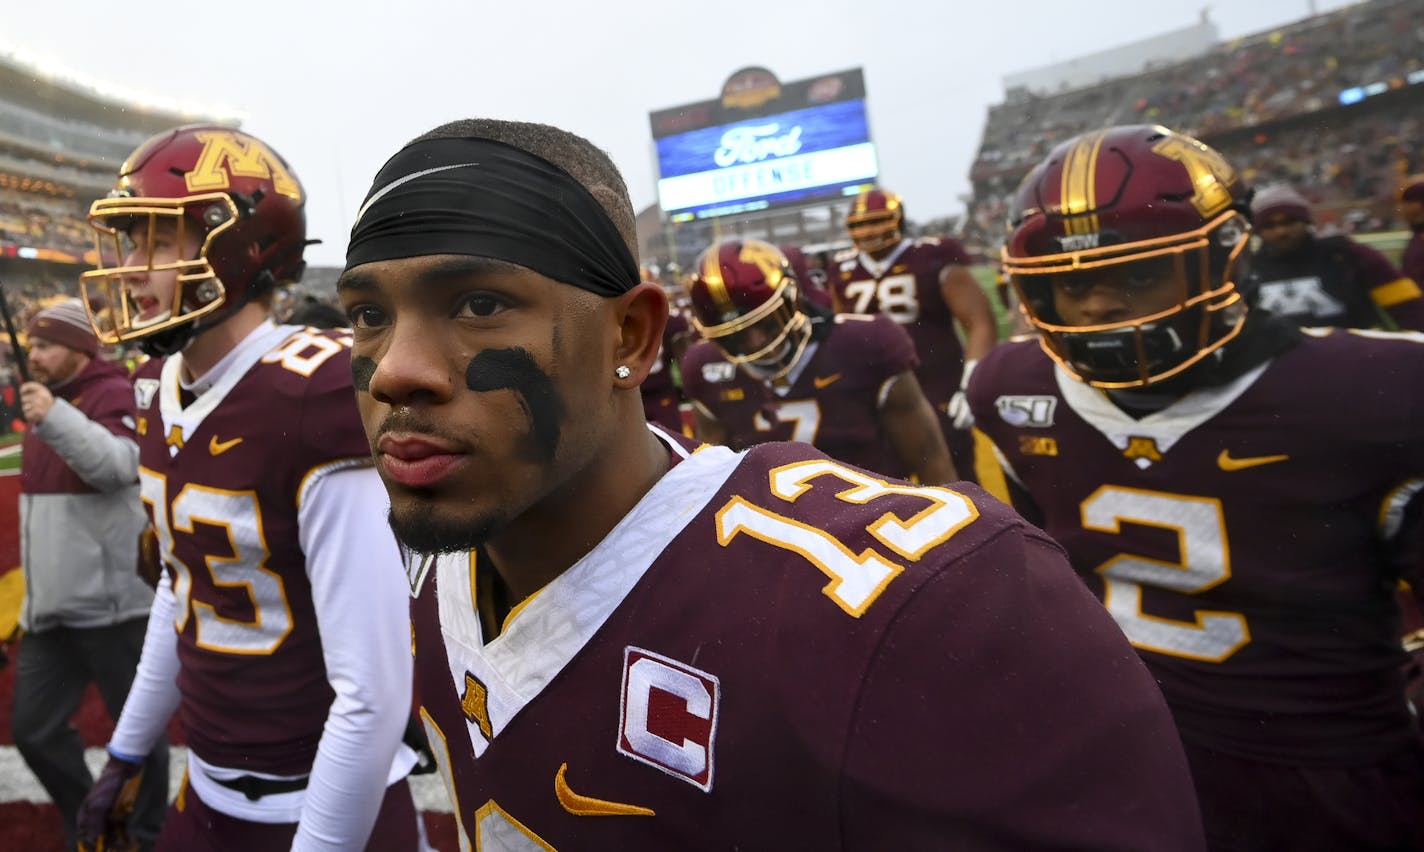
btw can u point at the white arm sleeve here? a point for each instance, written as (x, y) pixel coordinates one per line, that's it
(154, 694)
(362, 603)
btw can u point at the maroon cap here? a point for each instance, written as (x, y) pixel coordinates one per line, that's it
(67, 324)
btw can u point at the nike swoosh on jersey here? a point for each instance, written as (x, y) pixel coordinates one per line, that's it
(588, 806)
(1226, 462)
(217, 448)
(825, 381)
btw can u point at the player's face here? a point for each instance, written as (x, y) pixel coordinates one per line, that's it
(1283, 237)
(52, 363)
(151, 243)
(1119, 293)
(478, 384)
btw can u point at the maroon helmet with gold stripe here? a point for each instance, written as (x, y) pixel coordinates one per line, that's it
(1137, 198)
(745, 300)
(228, 188)
(876, 220)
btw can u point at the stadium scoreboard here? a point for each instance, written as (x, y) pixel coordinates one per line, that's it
(764, 144)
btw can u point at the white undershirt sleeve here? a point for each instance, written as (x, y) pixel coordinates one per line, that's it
(154, 694)
(362, 604)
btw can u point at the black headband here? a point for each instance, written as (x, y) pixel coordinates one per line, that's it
(487, 199)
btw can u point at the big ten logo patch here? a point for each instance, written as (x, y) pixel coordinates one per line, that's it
(668, 716)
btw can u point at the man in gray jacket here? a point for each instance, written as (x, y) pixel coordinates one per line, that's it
(85, 608)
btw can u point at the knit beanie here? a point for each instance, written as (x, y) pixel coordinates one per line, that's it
(1276, 204)
(67, 324)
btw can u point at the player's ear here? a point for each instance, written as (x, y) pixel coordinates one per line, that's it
(641, 314)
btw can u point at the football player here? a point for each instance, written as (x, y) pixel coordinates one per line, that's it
(662, 395)
(1323, 281)
(924, 285)
(278, 631)
(1225, 483)
(1411, 207)
(774, 367)
(623, 643)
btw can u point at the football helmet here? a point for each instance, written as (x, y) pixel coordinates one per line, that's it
(225, 189)
(876, 220)
(1140, 202)
(746, 301)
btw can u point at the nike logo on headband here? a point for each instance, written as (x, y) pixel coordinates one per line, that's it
(381, 193)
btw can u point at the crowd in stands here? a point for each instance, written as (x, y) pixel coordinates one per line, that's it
(37, 221)
(1297, 70)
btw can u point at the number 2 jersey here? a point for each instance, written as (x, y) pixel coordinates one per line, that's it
(775, 651)
(223, 478)
(1240, 535)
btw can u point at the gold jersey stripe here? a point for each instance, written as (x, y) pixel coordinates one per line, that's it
(1399, 290)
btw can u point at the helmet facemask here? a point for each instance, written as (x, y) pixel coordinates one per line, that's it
(875, 230)
(1143, 350)
(767, 341)
(129, 313)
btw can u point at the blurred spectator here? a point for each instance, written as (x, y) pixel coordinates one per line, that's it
(85, 609)
(1323, 281)
(1411, 208)
(318, 314)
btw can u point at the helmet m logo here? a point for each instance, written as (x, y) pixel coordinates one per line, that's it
(1210, 174)
(766, 258)
(225, 152)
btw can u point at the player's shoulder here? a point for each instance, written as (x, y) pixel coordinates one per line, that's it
(704, 364)
(1019, 356)
(1360, 343)
(942, 249)
(305, 362)
(868, 332)
(879, 539)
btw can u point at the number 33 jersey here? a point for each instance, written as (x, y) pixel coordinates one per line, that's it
(775, 651)
(1239, 536)
(222, 479)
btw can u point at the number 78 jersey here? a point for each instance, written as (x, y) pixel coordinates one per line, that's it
(776, 651)
(1239, 536)
(905, 287)
(222, 480)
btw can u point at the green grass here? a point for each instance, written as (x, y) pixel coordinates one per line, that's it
(988, 276)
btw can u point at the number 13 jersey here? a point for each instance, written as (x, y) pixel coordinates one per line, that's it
(775, 651)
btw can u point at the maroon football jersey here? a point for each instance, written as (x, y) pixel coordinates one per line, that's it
(832, 401)
(661, 395)
(774, 651)
(222, 479)
(1236, 535)
(905, 287)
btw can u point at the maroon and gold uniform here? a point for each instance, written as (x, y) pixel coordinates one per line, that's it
(1238, 536)
(661, 395)
(775, 651)
(831, 398)
(222, 480)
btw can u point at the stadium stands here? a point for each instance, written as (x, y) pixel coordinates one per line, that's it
(1330, 103)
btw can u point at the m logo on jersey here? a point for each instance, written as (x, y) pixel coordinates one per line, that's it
(1036, 411)
(668, 716)
(1143, 451)
(227, 152)
(1299, 297)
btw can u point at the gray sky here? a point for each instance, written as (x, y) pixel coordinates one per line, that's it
(338, 87)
